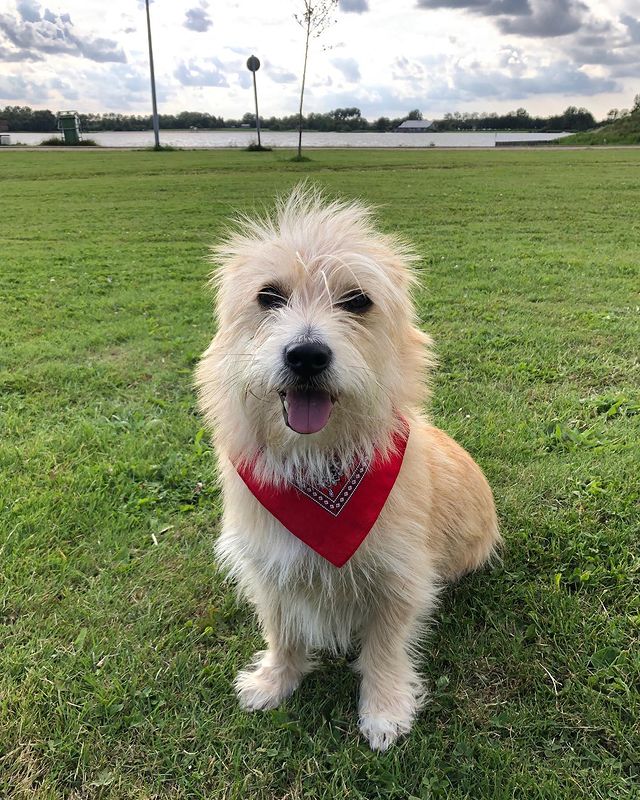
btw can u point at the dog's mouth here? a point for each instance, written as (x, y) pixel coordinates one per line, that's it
(306, 410)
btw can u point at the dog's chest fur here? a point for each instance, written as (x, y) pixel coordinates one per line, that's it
(317, 602)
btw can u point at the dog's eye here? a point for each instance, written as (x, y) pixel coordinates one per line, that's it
(356, 303)
(271, 297)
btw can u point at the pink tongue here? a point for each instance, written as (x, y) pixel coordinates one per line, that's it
(308, 411)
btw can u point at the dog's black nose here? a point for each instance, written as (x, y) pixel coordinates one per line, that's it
(308, 358)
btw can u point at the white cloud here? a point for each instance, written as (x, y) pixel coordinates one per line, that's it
(348, 67)
(198, 19)
(354, 6)
(210, 73)
(280, 75)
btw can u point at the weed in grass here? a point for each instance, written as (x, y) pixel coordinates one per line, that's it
(612, 406)
(56, 141)
(254, 147)
(163, 148)
(568, 436)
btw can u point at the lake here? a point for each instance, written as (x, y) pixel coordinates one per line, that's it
(289, 139)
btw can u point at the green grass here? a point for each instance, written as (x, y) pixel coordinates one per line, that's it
(623, 131)
(119, 638)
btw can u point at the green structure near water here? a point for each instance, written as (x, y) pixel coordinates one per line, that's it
(69, 125)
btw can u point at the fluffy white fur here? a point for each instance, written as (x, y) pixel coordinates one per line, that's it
(439, 521)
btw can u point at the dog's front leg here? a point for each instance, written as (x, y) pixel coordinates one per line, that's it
(391, 690)
(275, 672)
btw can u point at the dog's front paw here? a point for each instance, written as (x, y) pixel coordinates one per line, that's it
(382, 730)
(265, 686)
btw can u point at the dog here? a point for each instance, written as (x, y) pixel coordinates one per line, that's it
(315, 381)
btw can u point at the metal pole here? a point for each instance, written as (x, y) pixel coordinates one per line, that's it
(156, 124)
(255, 94)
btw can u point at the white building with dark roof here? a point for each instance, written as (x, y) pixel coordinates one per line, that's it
(415, 126)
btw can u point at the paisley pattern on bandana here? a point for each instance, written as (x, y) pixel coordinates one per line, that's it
(334, 497)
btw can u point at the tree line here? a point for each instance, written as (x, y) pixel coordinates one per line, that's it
(23, 118)
(571, 119)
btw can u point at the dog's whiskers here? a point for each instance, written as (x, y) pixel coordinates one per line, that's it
(250, 391)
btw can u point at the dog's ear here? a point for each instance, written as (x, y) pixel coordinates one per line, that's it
(418, 360)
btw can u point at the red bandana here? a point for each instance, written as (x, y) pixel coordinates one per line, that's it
(334, 520)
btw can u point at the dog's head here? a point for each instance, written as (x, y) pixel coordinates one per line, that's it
(317, 352)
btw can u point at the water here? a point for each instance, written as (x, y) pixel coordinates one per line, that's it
(289, 139)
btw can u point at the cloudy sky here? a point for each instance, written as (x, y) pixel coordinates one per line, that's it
(384, 56)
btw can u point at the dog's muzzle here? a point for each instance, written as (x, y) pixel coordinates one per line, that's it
(306, 405)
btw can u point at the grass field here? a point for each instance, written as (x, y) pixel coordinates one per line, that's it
(119, 638)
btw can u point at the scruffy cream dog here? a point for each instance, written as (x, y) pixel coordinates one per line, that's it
(316, 367)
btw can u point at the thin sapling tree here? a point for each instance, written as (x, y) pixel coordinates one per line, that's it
(315, 18)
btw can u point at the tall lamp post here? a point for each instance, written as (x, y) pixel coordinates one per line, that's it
(156, 124)
(253, 65)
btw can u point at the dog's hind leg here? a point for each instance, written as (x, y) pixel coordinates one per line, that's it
(275, 672)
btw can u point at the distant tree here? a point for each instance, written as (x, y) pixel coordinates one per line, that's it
(314, 20)
(636, 104)
(320, 122)
(43, 121)
(613, 115)
(578, 119)
(347, 119)
(415, 114)
(347, 113)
